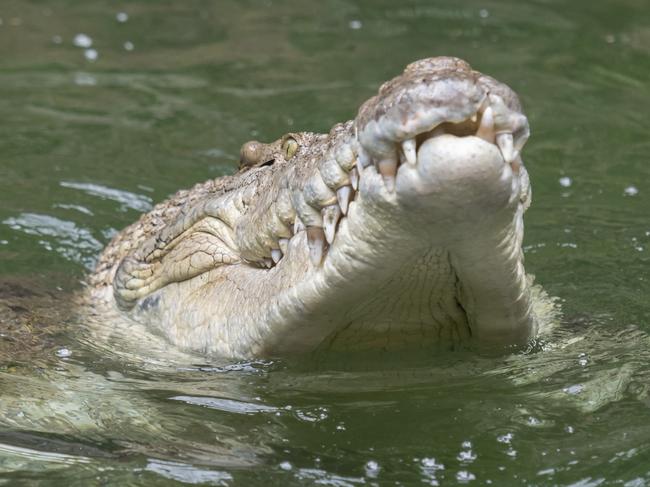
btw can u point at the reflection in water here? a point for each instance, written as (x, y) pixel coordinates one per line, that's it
(333, 417)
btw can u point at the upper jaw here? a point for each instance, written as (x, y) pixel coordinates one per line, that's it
(378, 158)
(435, 96)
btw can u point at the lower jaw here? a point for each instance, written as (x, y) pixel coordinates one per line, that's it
(393, 298)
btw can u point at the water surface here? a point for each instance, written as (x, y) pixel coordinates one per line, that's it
(108, 107)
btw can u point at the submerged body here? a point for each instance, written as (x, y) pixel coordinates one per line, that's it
(400, 228)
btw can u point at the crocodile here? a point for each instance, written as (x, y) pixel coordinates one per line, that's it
(400, 228)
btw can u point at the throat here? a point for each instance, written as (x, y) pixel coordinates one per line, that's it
(416, 306)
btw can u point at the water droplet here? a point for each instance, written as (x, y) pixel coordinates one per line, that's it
(507, 438)
(574, 389)
(372, 469)
(484, 13)
(84, 79)
(431, 463)
(631, 191)
(565, 181)
(91, 55)
(286, 466)
(128, 46)
(466, 456)
(122, 17)
(355, 24)
(465, 476)
(63, 352)
(533, 421)
(82, 40)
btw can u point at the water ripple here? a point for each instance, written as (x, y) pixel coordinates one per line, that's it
(226, 405)
(66, 238)
(183, 472)
(128, 200)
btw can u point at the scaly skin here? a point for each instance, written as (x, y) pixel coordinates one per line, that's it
(401, 228)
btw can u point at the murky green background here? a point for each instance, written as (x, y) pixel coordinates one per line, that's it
(160, 94)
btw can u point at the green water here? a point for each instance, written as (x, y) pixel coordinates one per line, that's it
(91, 136)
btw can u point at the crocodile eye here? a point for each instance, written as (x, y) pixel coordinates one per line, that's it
(250, 153)
(289, 147)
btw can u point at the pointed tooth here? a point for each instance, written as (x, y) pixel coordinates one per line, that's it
(283, 243)
(331, 215)
(408, 147)
(354, 178)
(316, 243)
(343, 195)
(486, 128)
(298, 225)
(521, 138)
(276, 255)
(505, 143)
(268, 263)
(363, 159)
(388, 169)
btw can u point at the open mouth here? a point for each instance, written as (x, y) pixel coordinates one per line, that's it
(493, 122)
(319, 210)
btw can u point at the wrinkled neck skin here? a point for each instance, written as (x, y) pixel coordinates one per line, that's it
(401, 228)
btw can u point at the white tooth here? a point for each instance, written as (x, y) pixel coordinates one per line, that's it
(505, 143)
(276, 255)
(283, 243)
(343, 195)
(363, 159)
(331, 215)
(408, 147)
(486, 128)
(268, 263)
(298, 225)
(388, 169)
(522, 137)
(316, 243)
(354, 178)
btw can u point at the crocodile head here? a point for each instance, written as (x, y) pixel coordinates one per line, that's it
(400, 228)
